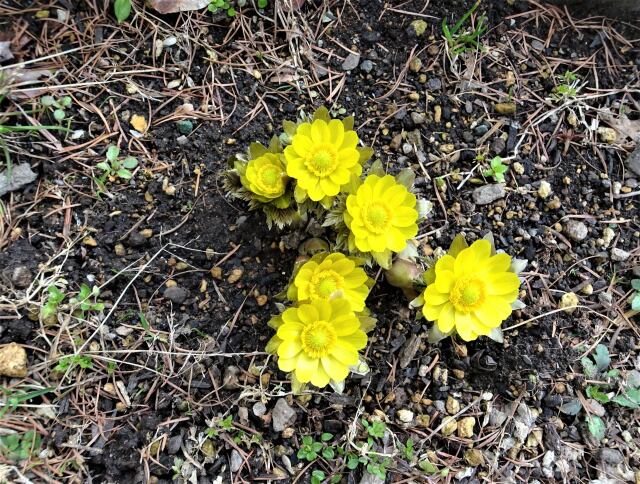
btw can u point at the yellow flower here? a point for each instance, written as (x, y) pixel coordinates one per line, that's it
(322, 157)
(328, 276)
(472, 292)
(381, 215)
(265, 176)
(318, 341)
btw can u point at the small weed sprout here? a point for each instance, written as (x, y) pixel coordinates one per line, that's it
(70, 362)
(497, 169)
(19, 447)
(86, 300)
(50, 307)
(114, 168)
(568, 88)
(122, 9)
(56, 106)
(461, 39)
(222, 5)
(14, 397)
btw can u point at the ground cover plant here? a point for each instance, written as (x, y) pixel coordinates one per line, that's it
(326, 242)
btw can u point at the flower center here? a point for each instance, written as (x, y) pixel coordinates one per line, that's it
(322, 161)
(377, 217)
(325, 283)
(318, 338)
(271, 179)
(467, 294)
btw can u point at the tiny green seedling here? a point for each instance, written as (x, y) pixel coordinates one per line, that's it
(497, 169)
(461, 39)
(19, 447)
(86, 300)
(69, 362)
(222, 5)
(57, 106)
(635, 302)
(50, 307)
(374, 429)
(114, 167)
(122, 9)
(567, 89)
(311, 449)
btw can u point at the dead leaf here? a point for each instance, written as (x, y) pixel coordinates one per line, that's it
(622, 124)
(174, 6)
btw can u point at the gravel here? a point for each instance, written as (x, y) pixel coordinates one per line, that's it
(351, 62)
(176, 294)
(576, 230)
(283, 415)
(488, 193)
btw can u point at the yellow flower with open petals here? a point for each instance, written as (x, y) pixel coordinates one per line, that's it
(328, 276)
(472, 292)
(381, 215)
(318, 341)
(265, 176)
(322, 157)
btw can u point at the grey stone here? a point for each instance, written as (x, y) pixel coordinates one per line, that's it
(409, 350)
(174, 444)
(488, 193)
(481, 129)
(20, 176)
(236, 461)
(366, 66)
(21, 277)
(576, 230)
(282, 416)
(632, 163)
(182, 140)
(434, 84)
(611, 456)
(176, 294)
(537, 45)
(498, 146)
(619, 255)
(351, 62)
(259, 409)
(417, 118)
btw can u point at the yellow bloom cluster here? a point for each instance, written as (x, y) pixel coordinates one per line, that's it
(322, 158)
(266, 176)
(472, 291)
(318, 341)
(328, 276)
(381, 216)
(329, 291)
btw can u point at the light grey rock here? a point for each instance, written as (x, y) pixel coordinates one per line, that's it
(576, 230)
(20, 176)
(283, 415)
(351, 62)
(488, 193)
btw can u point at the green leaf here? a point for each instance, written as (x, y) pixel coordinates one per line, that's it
(348, 123)
(59, 114)
(635, 302)
(590, 369)
(596, 427)
(595, 393)
(47, 101)
(104, 166)
(625, 401)
(112, 153)
(263, 3)
(130, 162)
(317, 476)
(602, 358)
(636, 284)
(124, 174)
(322, 113)
(325, 437)
(307, 440)
(231, 12)
(122, 9)
(316, 446)
(328, 453)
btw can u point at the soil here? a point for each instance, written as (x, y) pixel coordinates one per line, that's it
(201, 355)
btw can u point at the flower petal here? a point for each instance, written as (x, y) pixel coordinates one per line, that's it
(336, 370)
(289, 349)
(345, 353)
(306, 367)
